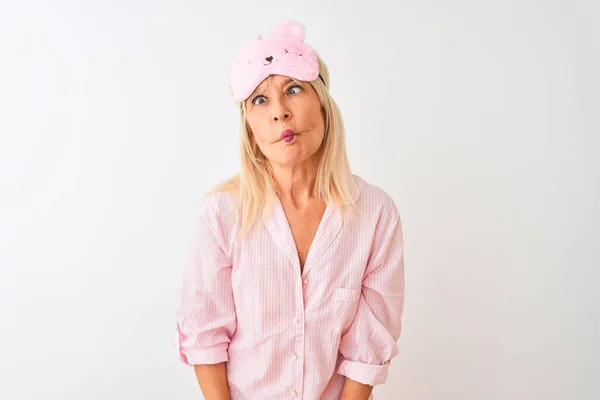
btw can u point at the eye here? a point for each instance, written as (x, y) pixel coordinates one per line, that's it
(255, 102)
(294, 89)
(295, 86)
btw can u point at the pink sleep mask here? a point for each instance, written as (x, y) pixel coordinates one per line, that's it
(285, 53)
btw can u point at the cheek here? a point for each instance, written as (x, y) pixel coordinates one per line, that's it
(313, 113)
(257, 128)
(262, 140)
(317, 119)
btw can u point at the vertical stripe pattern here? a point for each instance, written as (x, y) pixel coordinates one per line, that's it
(286, 333)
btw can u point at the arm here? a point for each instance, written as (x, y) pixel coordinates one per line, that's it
(212, 379)
(206, 318)
(353, 390)
(370, 343)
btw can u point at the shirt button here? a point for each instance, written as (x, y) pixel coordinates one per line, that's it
(295, 319)
(295, 357)
(306, 281)
(295, 393)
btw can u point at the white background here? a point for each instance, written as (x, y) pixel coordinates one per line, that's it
(480, 118)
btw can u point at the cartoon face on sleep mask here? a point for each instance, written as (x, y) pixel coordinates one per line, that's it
(285, 53)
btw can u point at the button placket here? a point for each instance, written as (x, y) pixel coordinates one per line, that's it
(297, 354)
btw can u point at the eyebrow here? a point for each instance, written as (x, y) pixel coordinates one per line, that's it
(261, 90)
(288, 80)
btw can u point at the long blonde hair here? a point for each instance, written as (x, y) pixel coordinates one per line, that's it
(255, 186)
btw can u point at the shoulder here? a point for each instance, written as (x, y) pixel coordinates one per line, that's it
(217, 217)
(218, 209)
(218, 203)
(374, 199)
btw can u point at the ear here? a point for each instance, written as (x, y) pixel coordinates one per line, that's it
(289, 30)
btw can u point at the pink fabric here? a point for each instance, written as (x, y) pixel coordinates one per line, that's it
(283, 54)
(285, 334)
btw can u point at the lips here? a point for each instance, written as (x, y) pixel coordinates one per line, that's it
(287, 133)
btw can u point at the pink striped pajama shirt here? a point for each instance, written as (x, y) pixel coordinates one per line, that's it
(287, 334)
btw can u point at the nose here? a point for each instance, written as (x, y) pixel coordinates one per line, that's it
(280, 110)
(281, 114)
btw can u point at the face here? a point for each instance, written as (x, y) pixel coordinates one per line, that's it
(279, 104)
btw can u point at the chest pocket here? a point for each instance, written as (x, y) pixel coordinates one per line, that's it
(343, 310)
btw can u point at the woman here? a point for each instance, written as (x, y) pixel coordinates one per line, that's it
(294, 284)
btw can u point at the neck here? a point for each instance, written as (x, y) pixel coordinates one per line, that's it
(295, 184)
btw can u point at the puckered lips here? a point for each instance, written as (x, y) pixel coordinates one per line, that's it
(287, 135)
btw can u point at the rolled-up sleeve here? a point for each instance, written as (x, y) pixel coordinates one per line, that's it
(370, 343)
(205, 314)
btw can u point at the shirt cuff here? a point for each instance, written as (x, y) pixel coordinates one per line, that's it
(367, 374)
(212, 355)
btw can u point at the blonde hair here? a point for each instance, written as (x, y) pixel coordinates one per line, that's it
(255, 186)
